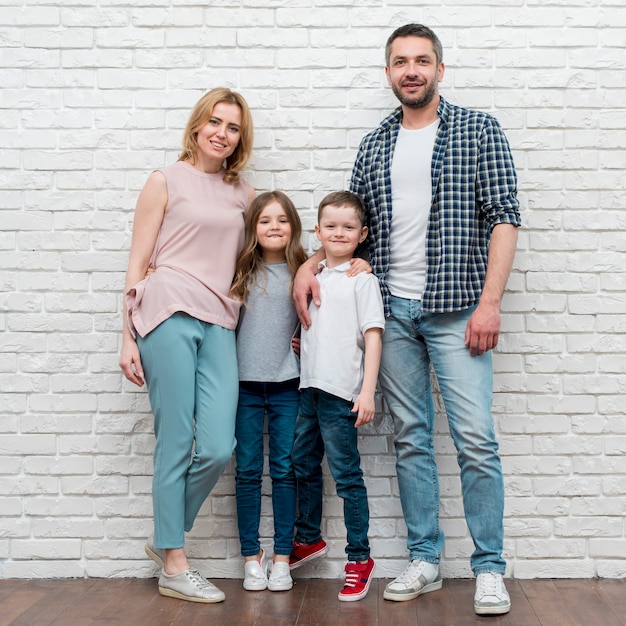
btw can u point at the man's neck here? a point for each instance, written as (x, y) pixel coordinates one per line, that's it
(414, 119)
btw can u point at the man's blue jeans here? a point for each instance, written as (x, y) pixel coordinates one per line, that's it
(325, 422)
(280, 402)
(411, 342)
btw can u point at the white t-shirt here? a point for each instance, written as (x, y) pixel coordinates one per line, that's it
(332, 349)
(411, 196)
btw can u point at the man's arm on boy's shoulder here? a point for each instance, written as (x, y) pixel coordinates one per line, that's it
(306, 287)
(365, 404)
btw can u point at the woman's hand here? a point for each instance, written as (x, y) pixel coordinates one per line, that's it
(130, 361)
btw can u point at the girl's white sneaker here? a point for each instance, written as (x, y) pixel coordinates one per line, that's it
(280, 578)
(255, 576)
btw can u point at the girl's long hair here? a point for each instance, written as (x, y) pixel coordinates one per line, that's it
(199, 117)
(250, 261)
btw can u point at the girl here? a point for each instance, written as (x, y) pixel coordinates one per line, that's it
(269, 377)
(179, 323)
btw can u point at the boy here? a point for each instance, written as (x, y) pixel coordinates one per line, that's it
(340, 356)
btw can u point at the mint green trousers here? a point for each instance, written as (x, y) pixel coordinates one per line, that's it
(191, 372)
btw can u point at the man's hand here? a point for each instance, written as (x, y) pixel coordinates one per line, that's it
(307, 288)
(358, 265)
(483, 329)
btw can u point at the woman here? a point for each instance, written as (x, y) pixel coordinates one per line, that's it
(179, 323)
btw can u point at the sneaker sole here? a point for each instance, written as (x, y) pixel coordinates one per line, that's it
(281, 587)
(255, 586)
(403, 597)
(308, 558)
(170, 593)
(492, 610)
(361, 595)
(154, 556)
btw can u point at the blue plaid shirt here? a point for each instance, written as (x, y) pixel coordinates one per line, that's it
(474, 188)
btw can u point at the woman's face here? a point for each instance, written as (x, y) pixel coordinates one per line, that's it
(220, 136)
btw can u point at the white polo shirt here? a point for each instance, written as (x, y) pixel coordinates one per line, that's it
(332, 349)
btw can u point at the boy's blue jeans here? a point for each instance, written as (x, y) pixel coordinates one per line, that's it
(414, 340)
(280, 401)
(326, 423)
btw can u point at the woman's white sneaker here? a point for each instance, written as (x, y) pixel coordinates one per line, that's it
(156, 554)
(189, 585)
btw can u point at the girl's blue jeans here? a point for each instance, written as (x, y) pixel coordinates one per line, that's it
(280, 402)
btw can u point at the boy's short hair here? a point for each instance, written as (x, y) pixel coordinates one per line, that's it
(344, 198)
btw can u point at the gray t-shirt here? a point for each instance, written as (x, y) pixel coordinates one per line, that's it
(266, 327)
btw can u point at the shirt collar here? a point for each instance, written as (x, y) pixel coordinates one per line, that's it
(344, 267)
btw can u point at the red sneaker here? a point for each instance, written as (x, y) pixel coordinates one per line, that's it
(301, 553)
(358, 578)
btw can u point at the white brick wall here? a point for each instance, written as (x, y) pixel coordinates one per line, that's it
(95, 94)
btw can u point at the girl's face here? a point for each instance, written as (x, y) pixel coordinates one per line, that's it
(273, 232)
(219, 137)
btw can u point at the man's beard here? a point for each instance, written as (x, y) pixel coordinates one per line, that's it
(417, 102)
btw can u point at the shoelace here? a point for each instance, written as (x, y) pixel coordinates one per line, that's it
(489, 585)
(410, 573)
(198, 579)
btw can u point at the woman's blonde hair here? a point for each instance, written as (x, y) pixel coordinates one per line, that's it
(201, 114)
(250, 260)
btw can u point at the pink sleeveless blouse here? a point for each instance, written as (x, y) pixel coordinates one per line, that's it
(195, 254)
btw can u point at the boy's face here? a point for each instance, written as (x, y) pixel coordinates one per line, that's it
(340, 231)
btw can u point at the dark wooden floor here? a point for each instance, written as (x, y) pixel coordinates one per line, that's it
(310, 603)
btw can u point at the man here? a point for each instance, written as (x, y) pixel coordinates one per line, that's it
(439, 184)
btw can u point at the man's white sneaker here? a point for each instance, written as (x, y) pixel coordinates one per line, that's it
(419, 577)
(280, 578)
(189, 585)
(491, 596)
(255, 574)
